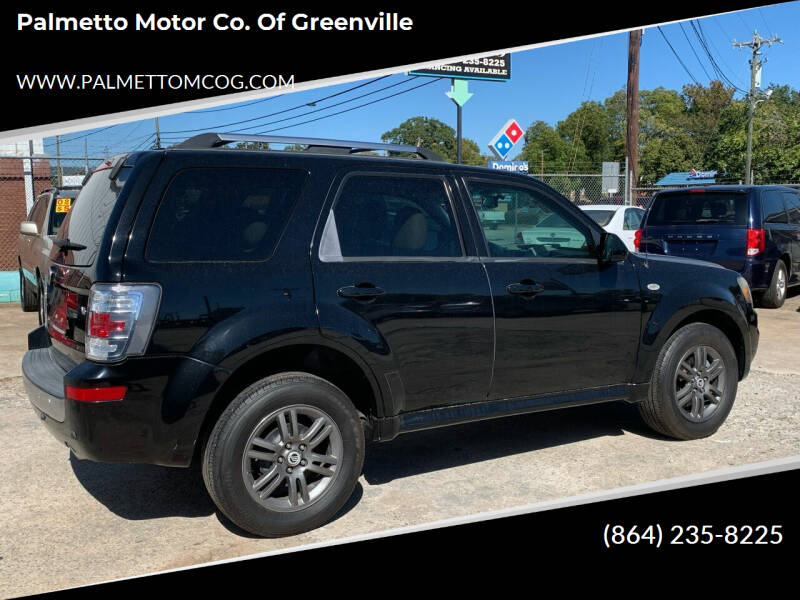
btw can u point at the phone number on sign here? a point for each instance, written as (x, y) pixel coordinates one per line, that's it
(677, 535)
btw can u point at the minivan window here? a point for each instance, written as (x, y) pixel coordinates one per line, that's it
(699, 208)
(86, 222)
(772, 208)
(793, 206)
(223, 214)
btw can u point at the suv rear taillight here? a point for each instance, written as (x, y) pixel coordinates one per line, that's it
(120, 319)
(637, 240)
(755, 241)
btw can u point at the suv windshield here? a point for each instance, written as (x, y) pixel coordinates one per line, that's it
(86, 221)
(699, 208)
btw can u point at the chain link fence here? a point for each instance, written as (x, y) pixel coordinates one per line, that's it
(22, 180)
(586, 188)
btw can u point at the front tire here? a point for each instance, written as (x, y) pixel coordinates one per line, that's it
(285, 455)
(775, 296)
(693, 384)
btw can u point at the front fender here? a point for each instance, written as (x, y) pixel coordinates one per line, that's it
(710, 295)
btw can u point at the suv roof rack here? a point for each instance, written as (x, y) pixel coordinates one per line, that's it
(216, 140)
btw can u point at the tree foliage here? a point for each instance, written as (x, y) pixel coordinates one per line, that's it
(701, 127)
(437, 136)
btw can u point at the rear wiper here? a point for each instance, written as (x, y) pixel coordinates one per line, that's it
(65, 245)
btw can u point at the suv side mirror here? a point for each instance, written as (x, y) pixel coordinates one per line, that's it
(612, 249)
(28, 228)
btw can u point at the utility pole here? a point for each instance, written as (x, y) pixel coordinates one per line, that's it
(59, 174)
(459, 93)
(86, 154)
(158, 136)
(632, 109)
(755, 82)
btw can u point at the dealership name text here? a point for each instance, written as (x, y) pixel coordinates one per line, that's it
(383, 21)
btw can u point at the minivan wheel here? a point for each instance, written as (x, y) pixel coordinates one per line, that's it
(27, 297)
(775, 296)
(285, 455)
(693, 384)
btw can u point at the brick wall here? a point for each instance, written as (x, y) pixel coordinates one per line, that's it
(12, 203)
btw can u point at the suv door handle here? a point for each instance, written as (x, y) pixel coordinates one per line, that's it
(360, 291)
(525, 288)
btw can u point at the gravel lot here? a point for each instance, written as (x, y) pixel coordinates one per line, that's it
(66, 522)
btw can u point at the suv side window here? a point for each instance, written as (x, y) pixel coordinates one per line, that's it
(521, 222)
(391, 216)
(793, 206)
(223, 214)
(633, 218)
(772, 208)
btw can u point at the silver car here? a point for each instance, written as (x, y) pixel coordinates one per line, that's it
(35, 241)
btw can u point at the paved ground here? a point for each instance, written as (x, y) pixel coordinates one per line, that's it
(66, 522)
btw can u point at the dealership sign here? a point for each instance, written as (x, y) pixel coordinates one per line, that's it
(506, 139)
(490, 68)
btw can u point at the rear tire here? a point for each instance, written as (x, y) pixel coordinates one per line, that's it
(285, 455)
(693, 384)
(775, 296)
(27, 296)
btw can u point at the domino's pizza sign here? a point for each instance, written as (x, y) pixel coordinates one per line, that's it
(506, 139)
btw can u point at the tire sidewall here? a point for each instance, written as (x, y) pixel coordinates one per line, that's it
(681, 342)
(777, 298)
(254, 404)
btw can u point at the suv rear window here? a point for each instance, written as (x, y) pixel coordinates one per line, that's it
(62, 202)
(88, 215)
(693, 208)
(223, 214)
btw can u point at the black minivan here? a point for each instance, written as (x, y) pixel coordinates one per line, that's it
(754, 230)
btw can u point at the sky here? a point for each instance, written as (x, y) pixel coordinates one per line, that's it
(547, 84)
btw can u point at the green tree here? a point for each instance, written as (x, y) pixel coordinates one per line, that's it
(434, 135)
(543, 146)
(587, 131)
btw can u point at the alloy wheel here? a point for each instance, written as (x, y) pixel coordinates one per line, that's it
(292, 458)
(699, 383)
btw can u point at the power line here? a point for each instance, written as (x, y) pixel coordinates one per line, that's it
(763, 18)
(80, 137)
(433, 80)
(313, 102)
(310, 112)
(210, 110)
(698, 31)
(729, 37)
(685, 68)
(693, 52)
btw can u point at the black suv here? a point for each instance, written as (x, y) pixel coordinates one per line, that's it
(266, 312)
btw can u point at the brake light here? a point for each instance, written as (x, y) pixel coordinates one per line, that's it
(637, 240)
(755, 241)
(119, 320)
(103, 394)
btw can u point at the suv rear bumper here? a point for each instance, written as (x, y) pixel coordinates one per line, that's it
(157, 422)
